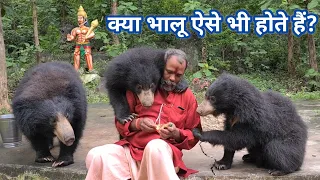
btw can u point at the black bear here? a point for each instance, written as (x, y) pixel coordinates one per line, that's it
(138, 70)
(266, 123)
(50, 101)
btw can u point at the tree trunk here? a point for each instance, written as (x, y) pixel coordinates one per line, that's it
(296, 51)
(114, 12)
(312, 52)
(3, 72)
(204, 52)
(223, 50)
(291, 66)
(35, 29)
(63, 14)
(140, 7)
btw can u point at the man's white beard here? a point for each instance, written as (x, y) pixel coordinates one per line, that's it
(167, 85)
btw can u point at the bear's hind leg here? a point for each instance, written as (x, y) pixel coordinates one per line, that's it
(283, 157)
(226, 161)
(40, 145)
(254, 156)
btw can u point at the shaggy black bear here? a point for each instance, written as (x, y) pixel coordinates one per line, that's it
(51, 101)
(267, 124)
(138, 70)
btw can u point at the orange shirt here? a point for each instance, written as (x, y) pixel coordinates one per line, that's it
(177, 108)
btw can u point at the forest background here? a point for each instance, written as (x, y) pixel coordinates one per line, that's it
(35, 31)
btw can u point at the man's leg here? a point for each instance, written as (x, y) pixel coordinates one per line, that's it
(107, 162)
(157, 162)
(76, 58)
(88, 58)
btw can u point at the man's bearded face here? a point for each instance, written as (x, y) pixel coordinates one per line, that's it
(167, 85)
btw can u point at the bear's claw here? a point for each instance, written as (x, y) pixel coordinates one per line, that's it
(128, 119)
(45, 159)
(61, 163)
(221, 165)
(276, 173)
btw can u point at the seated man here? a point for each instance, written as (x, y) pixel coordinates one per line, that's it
(147, 150)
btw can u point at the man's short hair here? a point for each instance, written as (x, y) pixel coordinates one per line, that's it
(182, 57)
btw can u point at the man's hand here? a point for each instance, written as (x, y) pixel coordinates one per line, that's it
(147, 125)
(169, 130)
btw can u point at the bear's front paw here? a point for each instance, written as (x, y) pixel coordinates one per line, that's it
(277, 172)
(63, 161)
(197, 134)
(222, 165)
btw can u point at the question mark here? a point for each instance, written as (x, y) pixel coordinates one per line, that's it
(312, 22)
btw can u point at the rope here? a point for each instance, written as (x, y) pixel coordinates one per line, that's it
(209, 157)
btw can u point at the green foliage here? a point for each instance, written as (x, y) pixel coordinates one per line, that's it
(205, 71)
(24, 176)
(4, 111)
(93, 93)
(127, 8)
(192, 5)
(14, 76)
(313, 80)
(21, 55)
(313, 4)
(50, 42)
(302, 95)
(280, 82)
(114, 49)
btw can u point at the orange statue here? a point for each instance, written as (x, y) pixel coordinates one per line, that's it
(82, 35)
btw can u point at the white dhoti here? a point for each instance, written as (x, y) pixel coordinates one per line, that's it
(114, 162)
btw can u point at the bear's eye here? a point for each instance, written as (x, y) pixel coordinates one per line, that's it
(139, 87)
(52, 121)
(67, 115)
(212, 99)
(152, 85)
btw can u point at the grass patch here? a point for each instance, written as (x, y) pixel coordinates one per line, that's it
(27, 175)
(304, 95)
(95, 91)
(279, 82)
(4, 111)
(96, 97)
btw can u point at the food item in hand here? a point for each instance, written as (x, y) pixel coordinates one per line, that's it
(163, 126)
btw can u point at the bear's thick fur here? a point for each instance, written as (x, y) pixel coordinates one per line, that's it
(51, 101)
(138, 70)
(266, 123)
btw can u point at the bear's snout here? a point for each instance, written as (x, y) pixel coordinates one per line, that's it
(69, 141)
(205, 108)
(146, 98)
(64, 131)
